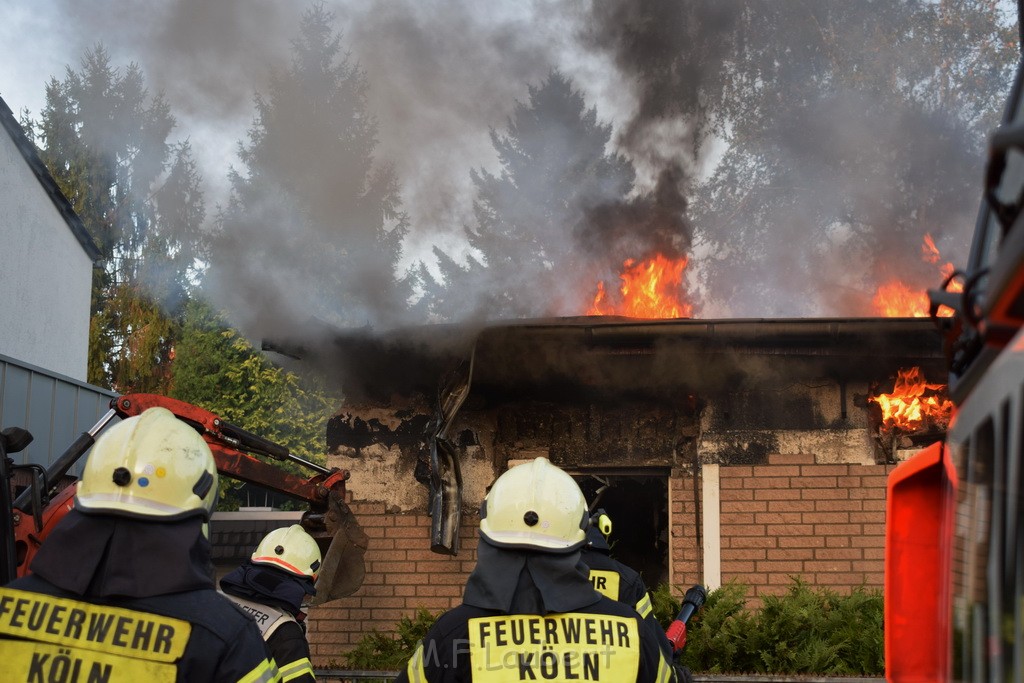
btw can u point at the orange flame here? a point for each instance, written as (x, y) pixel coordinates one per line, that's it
(896, 299)
(913, 401)
(649, 289)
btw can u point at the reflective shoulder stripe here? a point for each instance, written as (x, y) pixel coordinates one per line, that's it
(414, 670)
(264, 672)
(644, 606)
(296, 669)
(664, 670)
(101, 628)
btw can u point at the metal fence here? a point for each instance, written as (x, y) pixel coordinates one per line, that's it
(54, 408)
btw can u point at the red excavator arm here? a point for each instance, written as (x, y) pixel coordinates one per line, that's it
(328, 518)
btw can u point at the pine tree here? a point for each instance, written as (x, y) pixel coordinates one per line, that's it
(105, 141)
(531, 217)
(312, 215)
(218, 369)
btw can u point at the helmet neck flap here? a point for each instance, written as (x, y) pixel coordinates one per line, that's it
(116, 556)
(524, 582)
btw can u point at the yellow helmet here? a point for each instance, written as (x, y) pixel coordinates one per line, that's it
(535, 506)
(291, 549)
(151, 466)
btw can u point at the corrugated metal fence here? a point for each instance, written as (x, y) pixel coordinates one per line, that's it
(54, 408)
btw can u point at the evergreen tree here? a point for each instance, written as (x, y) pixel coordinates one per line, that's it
(217, 369)
(105, 141)
(532, 216)
(854, 129)
(312, 218)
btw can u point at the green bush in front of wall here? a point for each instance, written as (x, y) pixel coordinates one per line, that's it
(804, 631)
(378, 651)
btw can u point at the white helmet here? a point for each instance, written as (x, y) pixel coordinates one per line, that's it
(149, 466)
(291, 549)
(535, 506)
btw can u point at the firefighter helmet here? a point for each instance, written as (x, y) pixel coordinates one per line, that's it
(291, 549)
(536, 506)
(149, 466)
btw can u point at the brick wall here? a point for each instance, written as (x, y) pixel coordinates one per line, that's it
(402, 575)
(684, 548)
(792, 517)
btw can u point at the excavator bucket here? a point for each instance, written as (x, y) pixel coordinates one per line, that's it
(343, 545)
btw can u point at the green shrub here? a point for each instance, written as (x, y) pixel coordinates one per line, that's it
(804, 631)
(384, 652)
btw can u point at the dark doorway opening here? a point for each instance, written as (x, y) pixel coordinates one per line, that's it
(638, 507)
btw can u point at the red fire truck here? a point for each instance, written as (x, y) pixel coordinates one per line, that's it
(954, 567)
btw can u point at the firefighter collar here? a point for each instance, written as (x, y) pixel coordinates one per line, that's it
(117, 556)
(268, 585)
(522, 582)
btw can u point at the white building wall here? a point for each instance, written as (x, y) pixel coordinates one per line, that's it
(45, 275)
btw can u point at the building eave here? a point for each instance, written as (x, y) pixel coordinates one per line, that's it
(60, 201)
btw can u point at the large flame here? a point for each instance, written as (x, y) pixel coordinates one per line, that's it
(652, 288)
(914, 403)
(896, 299)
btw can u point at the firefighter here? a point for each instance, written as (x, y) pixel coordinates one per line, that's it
(609, 576)
(621, 582)
(272, 587)
(529, 611)
(123, 587)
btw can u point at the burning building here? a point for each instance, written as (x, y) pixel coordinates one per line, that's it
(747, 450)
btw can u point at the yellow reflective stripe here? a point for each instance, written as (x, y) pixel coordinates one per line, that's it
(664, 670)
(414, 669)
(644, 606)
(299, 667)
(264, 672)
(22, 660)
(101, 628)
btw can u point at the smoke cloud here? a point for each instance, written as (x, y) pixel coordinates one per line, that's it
(442, 74)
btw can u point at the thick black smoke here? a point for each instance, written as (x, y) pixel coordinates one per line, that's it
(654, 222)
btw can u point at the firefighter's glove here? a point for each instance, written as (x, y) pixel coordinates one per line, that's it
(681, 674)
